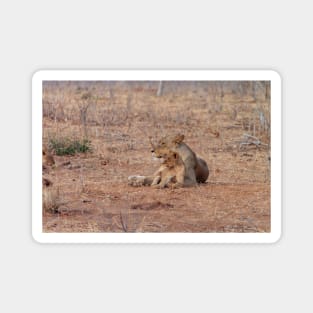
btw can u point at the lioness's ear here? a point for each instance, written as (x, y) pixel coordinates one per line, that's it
(151, 143)
(179, 138)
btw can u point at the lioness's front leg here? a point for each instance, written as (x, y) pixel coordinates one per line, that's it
(156, 181)
(138, 180)
(190, 180)
(186, 178)
(165, 182)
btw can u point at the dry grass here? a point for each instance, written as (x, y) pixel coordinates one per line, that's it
(119, 117)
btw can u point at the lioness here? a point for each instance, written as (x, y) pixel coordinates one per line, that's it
(196, 169)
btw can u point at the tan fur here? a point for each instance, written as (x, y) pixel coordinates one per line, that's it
(196, 169)
(173, 171)
(152, 180)
(181, 167)
(47, 158)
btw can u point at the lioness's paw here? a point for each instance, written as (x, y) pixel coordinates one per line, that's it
(156, 186)
(177, 185)
(136, 180)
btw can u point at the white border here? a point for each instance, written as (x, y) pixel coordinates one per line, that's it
(276, 209)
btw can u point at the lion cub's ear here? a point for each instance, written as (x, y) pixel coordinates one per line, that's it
(179, 138)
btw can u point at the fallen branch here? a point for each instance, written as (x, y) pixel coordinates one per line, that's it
(124, 225)
(251, 140)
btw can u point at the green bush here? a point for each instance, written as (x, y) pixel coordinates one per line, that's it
(67, 146)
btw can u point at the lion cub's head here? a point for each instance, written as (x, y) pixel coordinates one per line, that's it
(169, 158)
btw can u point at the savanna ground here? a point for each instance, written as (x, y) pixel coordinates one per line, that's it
(226, 123)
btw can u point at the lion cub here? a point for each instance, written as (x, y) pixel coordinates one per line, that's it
(173, 170)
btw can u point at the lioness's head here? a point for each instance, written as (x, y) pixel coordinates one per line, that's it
(169, 142)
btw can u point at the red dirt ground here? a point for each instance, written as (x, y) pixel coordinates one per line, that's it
(90, 191)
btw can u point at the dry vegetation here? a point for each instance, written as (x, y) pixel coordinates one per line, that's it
(226, 123)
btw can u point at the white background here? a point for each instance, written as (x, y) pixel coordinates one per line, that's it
(160, 34)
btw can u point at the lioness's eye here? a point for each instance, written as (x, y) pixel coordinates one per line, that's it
(163, 143)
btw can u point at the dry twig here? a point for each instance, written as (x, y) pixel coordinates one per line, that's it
(251, 140)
